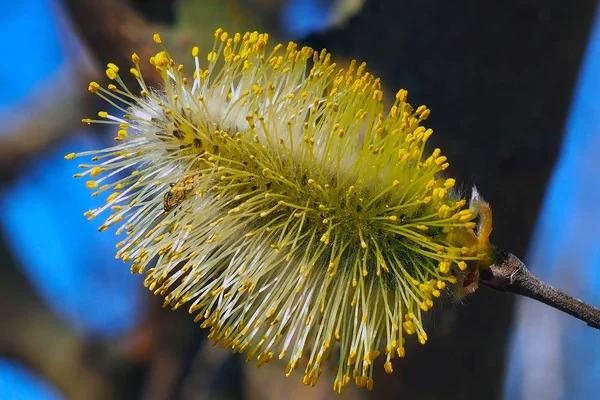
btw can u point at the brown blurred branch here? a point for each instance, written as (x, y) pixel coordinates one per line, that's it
(52, 112)
(509, 274)
(116, 32)
(48, 115)
(34, 336)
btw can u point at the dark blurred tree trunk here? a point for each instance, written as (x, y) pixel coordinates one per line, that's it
(498, 77)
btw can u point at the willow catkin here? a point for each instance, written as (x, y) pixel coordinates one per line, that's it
(280, 202)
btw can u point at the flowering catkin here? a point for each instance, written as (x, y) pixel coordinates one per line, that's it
(272, 195)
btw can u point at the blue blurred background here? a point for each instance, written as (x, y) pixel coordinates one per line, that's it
(551, 357)
(76, 324)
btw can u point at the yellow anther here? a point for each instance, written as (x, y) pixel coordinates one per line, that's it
(388, 367)
(94, 172)
(409, 327)
(160, 60)
(465, 215)
(427, 134)
(157, 39)
(111, 74)
(440, 160)
(113, 67)
(70, 156)
(134, 72)
(402, 95)
(195, 51)
(93, 87)
(112, 196)
(444, 267)
(444, 211)
(91, 184)
(373, 354)
(401, 352)
(462, 265)
(135, 58)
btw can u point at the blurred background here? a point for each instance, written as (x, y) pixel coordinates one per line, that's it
(514, 90)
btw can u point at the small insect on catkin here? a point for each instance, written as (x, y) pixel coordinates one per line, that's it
(280, 202)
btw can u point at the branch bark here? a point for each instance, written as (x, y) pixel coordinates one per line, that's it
(509, 274)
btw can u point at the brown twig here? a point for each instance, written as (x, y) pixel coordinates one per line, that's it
(509, 274)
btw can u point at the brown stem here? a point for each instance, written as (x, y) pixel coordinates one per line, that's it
(509, 274)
